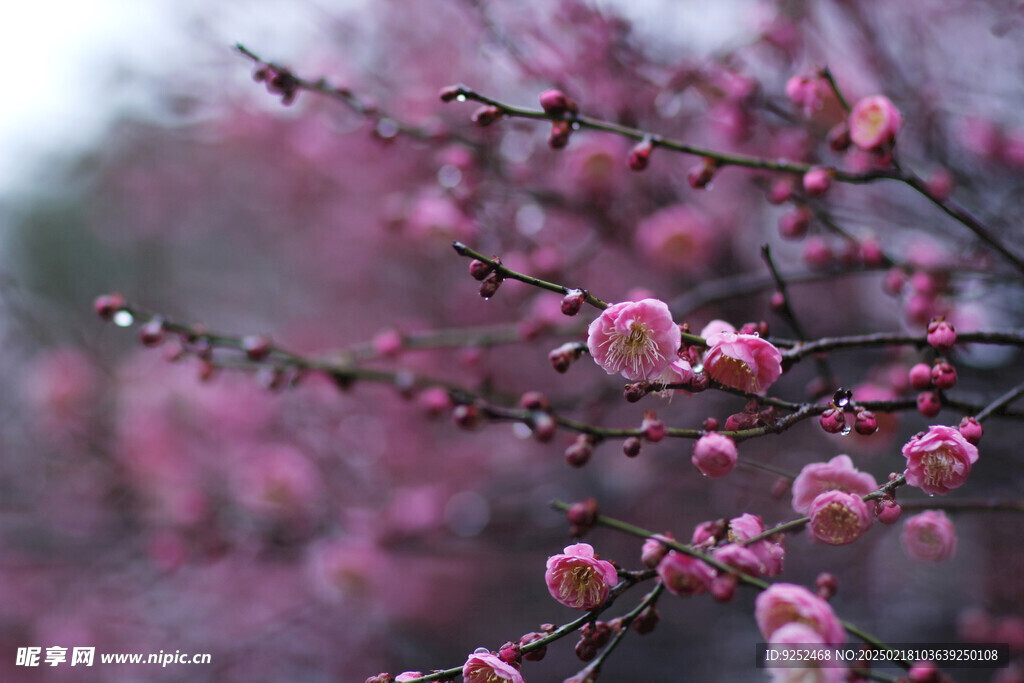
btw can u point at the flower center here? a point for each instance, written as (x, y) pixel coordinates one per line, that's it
(735, 373)
(633, 351)
(938, 466)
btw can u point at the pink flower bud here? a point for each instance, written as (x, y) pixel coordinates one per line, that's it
(871, 253)
(888, 511)
(920, 377)
(256, 346)
(654, 550)
(647, 620)
(466, 416)
(555, 103)
(780, 191)
(107, 305)
(579, 451)
(838, 518)
(543, 426)
(486, 115)
(152, 333)
(640, 155)
(865, 423)
(451, 92)
(582, 515)
(723, 587)
(489, 286)
(631, 447)
(817, 253)
(839, 137)
(929, 403)
(940, 183)
(941, 335)
(971, 430)
(874, 122)
(943, 375)
(701, 175)
(929, 537)
(818, 180)
(559, 136)
(833, 420)
(578, 579)
(534, 400)
(714, 455)
(479, 270)
(685, 575)
(794, 224)
(573, 301)
(535, 654)
(826, 585)
(653, 428)
(894, 281)
(565, 355)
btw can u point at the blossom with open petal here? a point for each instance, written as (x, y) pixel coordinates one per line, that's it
(939, 460)
(785, 603)
(578, 579)
(638, 339)
(836, 474)
(486, 667)
(929, 536)
(741, 361)
(838, 518)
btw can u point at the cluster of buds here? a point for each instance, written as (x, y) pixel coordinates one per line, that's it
(929, 381)
(593, 636)
(279, 81)
(556, 103)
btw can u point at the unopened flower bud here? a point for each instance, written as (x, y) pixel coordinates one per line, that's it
(971, 430)
(833, 420)
(825, 585)
(479, 270)
(466, 416)
(943, 375)
(573, 301)
(152, 333)
(559, 136)
(941, 335)
(381, 678)
(929, 403)
(543, 426)
(701, 175)
(579, 451)
(794, 224)
(489, 286)
(818, 180)
(585, 650)
(582, 515)
(888, 511)
(486, 115)
(565, 355)
(451, 92)
(839, 137)
(256, 346)
(652, 427)
(646, 621)
(631, 447)
(640, 155)
(536, 654)
(920, 377)
(107, 305)
(636, 391)
(723, 587)
(818, 254)
(534, 400)
(865, 423)
(510, 653)
(555, 103)
(653, 550)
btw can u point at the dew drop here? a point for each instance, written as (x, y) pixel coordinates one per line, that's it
(521, 431)
(575, 126)
(460, 98)
(846, 430)
(481, 651)
(386, 128)
(123, 319)
(448, 176)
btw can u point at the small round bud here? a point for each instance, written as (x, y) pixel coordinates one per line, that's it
(579, 451)
(107, 305)
(941, 335)
(479, 270)
(534, 655)
(640, 155)
(573, 301)
(839, 137)
(489, 286)
(510, 653)
(653, 550)
(871, 253)
(778, 302)
(700, 176)
(714, 455)
(888, 511)
(893, 282)
(781, 191)
(865, 423)
(652, 427)
(825, 585)
(582, 515)
(971, 430)
(559, 136)
(818, 180)
(486, 115)
(794, 224)
(700, 382)
(256, 346)
(920, 377)
(833, 420)
(565, 355)
(646, 621)
(817, 253)
(723, 587)
(534, 400)
(631, 447)
(466, 416)
(543, 426)
(152, 333)
(636, 391)
(710, 424)
(585, 650)
(381, 678)
(556, 103)
(929, 403)
(943, 375)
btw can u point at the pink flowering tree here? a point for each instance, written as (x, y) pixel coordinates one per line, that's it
(375, 359)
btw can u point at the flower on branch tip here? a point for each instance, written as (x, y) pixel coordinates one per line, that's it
(742, 361)
(485, 667)
(874, 122)
(929, 537)
(786, 603)
(836, 474)
(685, 575)
(635, 338)
(939, 460)
(838, 518)
(578, 579)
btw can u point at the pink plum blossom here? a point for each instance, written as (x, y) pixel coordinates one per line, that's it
(808, 671)
(786, 603)
(874, 122)
(578, 579)
(838, 518)
(807, 92)
(929, 537)
(678, 238)
(939, 460)
(685, 575)
(485, 667)
(741, 361)
(770, 554)
(836, 474)
(638, 339)
(714, 455)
